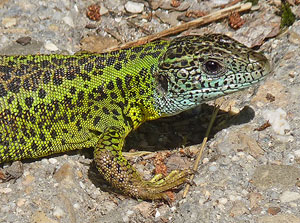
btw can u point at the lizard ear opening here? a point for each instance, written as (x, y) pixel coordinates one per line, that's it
(162, 82)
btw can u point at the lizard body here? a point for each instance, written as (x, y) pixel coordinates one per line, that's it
(56, 103)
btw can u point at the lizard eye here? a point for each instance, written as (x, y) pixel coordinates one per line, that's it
(213, 67)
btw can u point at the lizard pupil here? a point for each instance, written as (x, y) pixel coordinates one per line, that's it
(212, 67)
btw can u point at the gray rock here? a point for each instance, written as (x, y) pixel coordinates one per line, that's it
(288, 196)
(268, 176)
(280, 218)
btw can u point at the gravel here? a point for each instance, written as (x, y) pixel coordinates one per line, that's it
(247, 175)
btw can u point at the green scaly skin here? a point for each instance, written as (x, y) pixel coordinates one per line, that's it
(56, 103)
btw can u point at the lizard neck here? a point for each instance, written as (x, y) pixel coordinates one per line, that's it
(127, 77)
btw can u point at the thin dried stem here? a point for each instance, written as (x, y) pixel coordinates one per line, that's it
(214, 16)
(197, 161)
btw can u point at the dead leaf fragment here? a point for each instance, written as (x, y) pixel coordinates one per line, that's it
(175, 3)
(274, 210)
(24, 40)
(97, 44)
(145, 208)
(252, 146)
(263, 126)
(254, 198)
(93, 12)
(195, 13)
(167, 5)
(160, 167)
(235, 20)
(270, 97)
(238, 209)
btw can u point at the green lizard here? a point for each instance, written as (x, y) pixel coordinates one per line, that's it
(56, 103)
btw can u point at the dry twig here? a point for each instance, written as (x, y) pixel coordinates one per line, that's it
(197, 161)
(197, 22)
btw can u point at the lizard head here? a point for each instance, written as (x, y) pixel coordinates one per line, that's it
(195, 69)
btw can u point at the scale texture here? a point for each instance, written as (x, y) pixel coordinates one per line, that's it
(56, 103)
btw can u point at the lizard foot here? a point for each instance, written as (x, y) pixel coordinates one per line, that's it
(155, 188)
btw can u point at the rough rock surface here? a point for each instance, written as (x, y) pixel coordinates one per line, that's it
(246, 175)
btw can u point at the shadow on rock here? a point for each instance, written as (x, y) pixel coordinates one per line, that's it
(185, 129)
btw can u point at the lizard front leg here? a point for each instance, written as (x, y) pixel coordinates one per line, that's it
(120, 173)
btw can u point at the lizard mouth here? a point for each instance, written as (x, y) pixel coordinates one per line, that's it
(202, 95)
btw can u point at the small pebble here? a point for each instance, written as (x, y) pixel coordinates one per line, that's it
(201, 201)
(213, 168)
(76, 206)
(118, 19)
(288, 196)
(245, 192)
(277, 2)
(207, 194)
(157, 214)
(81, 185)
(254, 198)
(28, 180)
(103, 10)
(294, 38)
(250, 158)
(50, 46)
(297, 153)
(290, 158)
(235, 158)
(223, 200)
(52, 160)
(65, 175)
(76, 8)
(241, 154)
(120, 8)
(5, 208)
(79, 174)
(58, 212)
(134, 7)
(20, 202)
(221, 206)
(5, 190)
(238, 209)
(130, 212)
(125, 217)
(220, 2)
(205, 160)
(278, 120)
(53, 28)
(255, 7)
(233, 197)
(69, 21)
(9, 22)
(25, 5)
